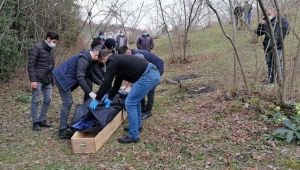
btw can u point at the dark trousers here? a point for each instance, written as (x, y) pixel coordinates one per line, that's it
(150, 100)
(270, 60)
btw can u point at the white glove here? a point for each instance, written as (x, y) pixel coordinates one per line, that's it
(122, 88)
(92, 95)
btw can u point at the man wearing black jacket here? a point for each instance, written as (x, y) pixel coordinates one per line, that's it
(263, 29)
(133, 69)
(40, 66)
(158, 62)
(74, 72)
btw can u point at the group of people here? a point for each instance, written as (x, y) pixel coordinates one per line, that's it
(138, 68)
(101, 65)
(144, 42)
(243, 13)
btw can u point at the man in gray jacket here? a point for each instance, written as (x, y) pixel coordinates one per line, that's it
(40, 66)
(121, 40)
(145, 42)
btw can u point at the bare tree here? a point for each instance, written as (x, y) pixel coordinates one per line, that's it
(162, 14)
(232, 43)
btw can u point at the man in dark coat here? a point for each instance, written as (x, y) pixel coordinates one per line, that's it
(145, 42)
(74, 72)
(40, 66)
(100, 40)
(263, 29)
(141, 73)
(121, 40)
(159, 63)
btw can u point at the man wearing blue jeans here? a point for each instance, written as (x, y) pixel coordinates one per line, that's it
(158, 62)
(40, 66)
(263, 29)
(133, 69)
(74, 72)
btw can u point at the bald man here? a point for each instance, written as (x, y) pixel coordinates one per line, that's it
(145, 42)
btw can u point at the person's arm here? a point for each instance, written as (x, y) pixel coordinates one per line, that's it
(94, 43)
(94, 79)
(97, 71)
(151, 43)
(82, 65)
(111, 71)
(126, 42)
(114, 90)
(33, 56)
(138, 43)
(285, 27)
(260, 31)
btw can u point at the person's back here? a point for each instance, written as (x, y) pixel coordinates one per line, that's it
(152, 58)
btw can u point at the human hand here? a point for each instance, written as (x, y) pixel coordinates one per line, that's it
(263, 20)
(93, 104)
(107, 102)
(92, 95)
(33, 85)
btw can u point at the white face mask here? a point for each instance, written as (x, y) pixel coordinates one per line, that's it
(51, 44)
(122, 34)
(270, 18)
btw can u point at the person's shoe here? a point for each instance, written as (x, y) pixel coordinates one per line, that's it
(146, 115)
(36, 126)
(144, 109)
(126, 129)
(66, 133)
(128, 140)
(45, 124)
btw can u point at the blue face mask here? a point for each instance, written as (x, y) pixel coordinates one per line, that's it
(101, 37)
(145, 34)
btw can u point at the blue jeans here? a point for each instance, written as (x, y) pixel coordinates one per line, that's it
(271, 64)
(148, 81)
(46, 89)
(67, 102)
(249, 18)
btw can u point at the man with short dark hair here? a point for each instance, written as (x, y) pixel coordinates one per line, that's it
(263, 29)
(141, 73)
(40, 66)
(159, 63)
(74, 72)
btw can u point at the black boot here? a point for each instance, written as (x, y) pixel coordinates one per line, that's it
(45, 124)
(128, 140)
(66, 133)
(146, 115)
(36, 126)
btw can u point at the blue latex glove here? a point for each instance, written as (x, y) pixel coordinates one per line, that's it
(107, 102)
(94, 104)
